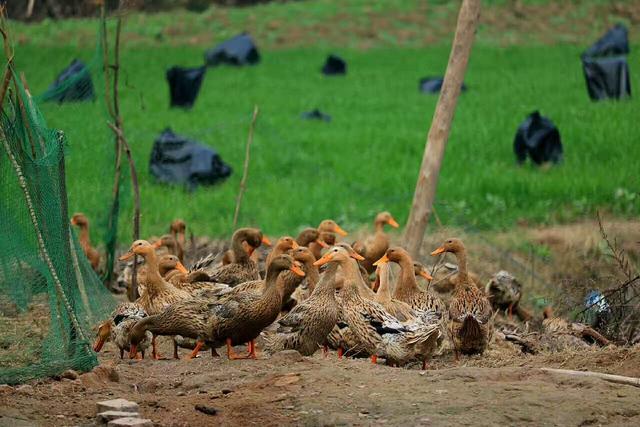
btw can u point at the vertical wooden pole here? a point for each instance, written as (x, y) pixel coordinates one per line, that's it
(438, 136)
(245, 169)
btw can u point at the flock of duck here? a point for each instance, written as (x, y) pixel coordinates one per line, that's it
(306, 293)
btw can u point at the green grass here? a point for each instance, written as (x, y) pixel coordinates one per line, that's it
(367, 158)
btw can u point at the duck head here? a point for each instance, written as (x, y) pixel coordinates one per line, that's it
(332, 227)
(452, 245)
(385, 218)
(79, 220)
(139, 247)
(104, 331)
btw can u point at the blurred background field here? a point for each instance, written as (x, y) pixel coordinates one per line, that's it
(366, 159)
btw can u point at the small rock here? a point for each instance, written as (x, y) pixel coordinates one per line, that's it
(287, 356)
(121, 405)
(181, 393)
(130, 422)
(105, 417)
(362, 415)
(61, 416)
(25, 389)
(5, 389)
(290, 407)
(70, 374)
(209, 410)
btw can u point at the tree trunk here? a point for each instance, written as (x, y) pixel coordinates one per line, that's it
(427, 184)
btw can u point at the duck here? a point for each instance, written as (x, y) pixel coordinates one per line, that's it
(232, 319)
(398, 309)
(378, 332)
(118, 327)
(172, 246)
(292, 283)
(243, 268)
(328, 229)
(178, 230)
(309, 235)
(283, 245)
(406, 289)
(374, 247)
(470, 313)
(82, 222)
(504, 292)
(306, 327)
(155, 293)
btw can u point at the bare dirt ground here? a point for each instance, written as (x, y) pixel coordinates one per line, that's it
(504, 386)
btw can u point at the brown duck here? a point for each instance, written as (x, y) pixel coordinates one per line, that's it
(398, 309)
(309, 235)
(173, 247)
(470, 312)
(234, 318)
(374, 247)
(82, 222)
(243, 268)
(328, 230)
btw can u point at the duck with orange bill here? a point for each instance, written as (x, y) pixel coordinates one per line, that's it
(378, 332)
(82, 222)
(373, 247)
(470, 313)
(243, 242)
(328, 229)
(172, 246)
(235, 318)
(118, 328)
(158, 293)
(308, 236)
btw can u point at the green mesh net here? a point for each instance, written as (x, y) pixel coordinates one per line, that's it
(50, 297)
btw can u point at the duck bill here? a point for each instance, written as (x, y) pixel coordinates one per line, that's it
(339, 230)
(392, 222)
(355, 255)
(127, 256)
(266, 241)
(181, 268)
(426, 275)
(322, 261)
(382, 260)
(98, 345)
(322, 243)
(295, 245)
(438, 251)
(297, 270)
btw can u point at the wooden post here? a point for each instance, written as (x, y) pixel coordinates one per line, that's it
(427, 184)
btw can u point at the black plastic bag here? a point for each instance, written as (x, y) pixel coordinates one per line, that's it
(605, 67)
(72, 84)
(184, 85)
(607, 77)
(614, 42)
(539, 139)
(433, 85)
(176, 159)
(334, 66)
(239, 50)
(316, 115)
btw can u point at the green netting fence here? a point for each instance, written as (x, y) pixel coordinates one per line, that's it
(50, 298)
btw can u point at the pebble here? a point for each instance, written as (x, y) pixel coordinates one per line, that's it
(208, 410)
(105, 417)
(181, 393)
(130, 422)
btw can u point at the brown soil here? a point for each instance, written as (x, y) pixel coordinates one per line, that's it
(499, 388)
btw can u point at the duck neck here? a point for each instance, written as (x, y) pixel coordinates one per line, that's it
(406, 283)
(153, 272)
(461, 256)
(313, 276)
(384, 291)
(239, 253)
(153, 324)
(379, 227)
(352, 274)
(326, 284)
(85, 240)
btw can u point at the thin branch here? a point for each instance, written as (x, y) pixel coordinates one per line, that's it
(617, 254)
(245, 172)
(619, 379)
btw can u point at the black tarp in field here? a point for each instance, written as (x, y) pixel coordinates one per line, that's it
(316, 114)
(239, 50)
(72, 84)
(334, 66)
(539, 139)
(433, 85)
(605, 66)
(176, 159)
(184, 85)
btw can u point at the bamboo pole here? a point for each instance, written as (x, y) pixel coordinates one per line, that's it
(245, 171)
(425, 192)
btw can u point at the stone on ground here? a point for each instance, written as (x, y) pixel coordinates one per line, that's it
(121, 405)
(105, 417)
(130, 422)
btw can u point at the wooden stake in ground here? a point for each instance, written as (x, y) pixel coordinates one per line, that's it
(427, 184)
(245, 171)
